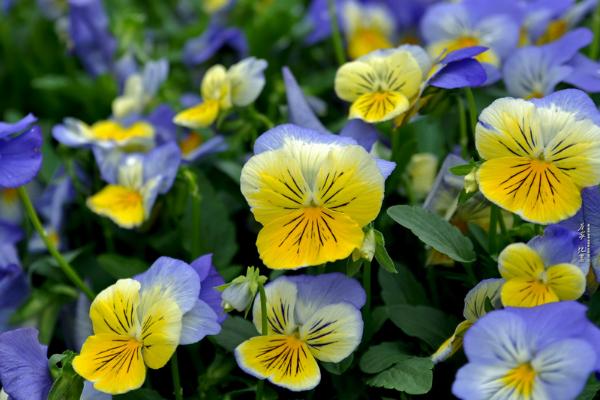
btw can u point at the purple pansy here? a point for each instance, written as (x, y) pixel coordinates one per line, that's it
(551, 349)
(216, 36)
(209, 279)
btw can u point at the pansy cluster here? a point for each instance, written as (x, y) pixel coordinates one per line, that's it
(337, 198)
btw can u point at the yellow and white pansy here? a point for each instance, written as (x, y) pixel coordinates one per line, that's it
(309, 318)
(134, 183)
(313, 193)
(222, 89)
(545, 270)
(383, 84)
(539, 154)
(107, 134)
(367, 27)
(138, 323)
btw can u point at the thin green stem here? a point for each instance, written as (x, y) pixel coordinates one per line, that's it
(261, 118)
(367, 286)
(492, 229)
(462, 124)
(473, 113)
(175, 375)
(195, 204)
(63, 264)
(336, 36)
(594, 51)
(264, 327)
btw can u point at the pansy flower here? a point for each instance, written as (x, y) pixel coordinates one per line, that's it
(545, 352)
(134, 183)
(565, 16)
(313, 193)
(544, 270)
(539, 154)
(449, 27)
(367, 27)
(14, 285)
(486, 292)
(139, 323)
(24, 372)
(386, 84)
(20, 152)
(140, 89)
(534, 72)
(309, 318)
(107, 134)
(224, 88)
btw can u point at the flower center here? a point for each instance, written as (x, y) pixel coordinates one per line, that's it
(521, 378)
(190, 143)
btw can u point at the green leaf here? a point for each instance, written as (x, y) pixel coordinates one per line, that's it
(426, 323)
(401, 288)
(234, 331)
(339, 368)
(590, 390)
(120, 267)
(462, 170)
(412, 375)
(68, 385)
(381, 254)
(434, 231)
(382, 356)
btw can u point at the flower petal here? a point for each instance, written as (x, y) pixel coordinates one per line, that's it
(379, 106)
(333, 332)
(124, 206)
(114, 310)
(520, 261)
(526, 292)
(199, 116)
(283, 360)
(20, 158)
(247, 80)
(112, 362)
(566, 280)
(281, 303)
(199, 322)
(161, 331)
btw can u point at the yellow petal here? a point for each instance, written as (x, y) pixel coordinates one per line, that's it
(520, 261)
(110, 130)
(114, 310)
(452, 344)
(566, 280)
(112, 362)
(379, 106)
(308, 236)
(526, 292)
(200, 116)
(537, 191)
(283, 360)
(161, 330)
(508, 127)
(354, 79)
(333, 332)
(216, 86)
(365, 40)
(124, 206)
(281, 304)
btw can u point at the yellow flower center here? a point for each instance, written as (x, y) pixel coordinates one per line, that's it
(521, 378)
(556, 29)
(466, 41)
(10, 195)
(110, 130)
(190, 143)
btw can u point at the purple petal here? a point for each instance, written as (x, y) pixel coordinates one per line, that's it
(7, 129)
(563, 49)
(458, 74)
(161, 118)
(586, 74)
(10, 233)
(24, 372)
(214, 145)
(14, 287)
(462, 54)
(209, 279)
(571, 100)
(365, 134)
(20, 158)
(199, 322)
(557, 245)
(200, 49)
(274, 138)
(299, 111)
(163, 161)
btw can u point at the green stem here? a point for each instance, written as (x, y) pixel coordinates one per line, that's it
(473, 113)
(196, 203)
(492, 229)
(175, 375)
(367, 286)
(462, 123)
(336, 36)
(595, 46)
(63, 264)
(264, 328)
(261, 118)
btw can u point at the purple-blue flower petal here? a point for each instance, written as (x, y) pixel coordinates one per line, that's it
(200, 49)
(458, 74)
(209, 279)
(299, 110)
(20, 158)
(7, 129)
